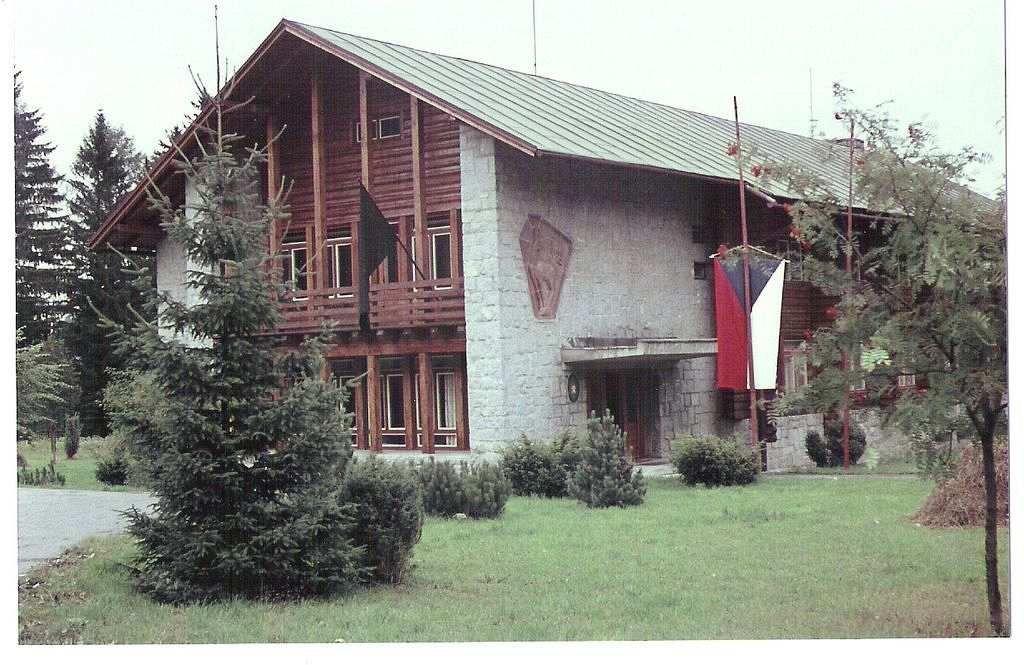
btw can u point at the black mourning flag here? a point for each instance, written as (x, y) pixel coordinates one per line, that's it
(377, 242)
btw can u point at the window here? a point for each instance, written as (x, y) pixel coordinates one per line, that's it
(392, 399)
(381, 128)
(389, 126)
(338, 260)
(444, 403)
(294, 262)
(794, 366)
(700, 269)
(441, 254)
(905, 379)
(343, 373)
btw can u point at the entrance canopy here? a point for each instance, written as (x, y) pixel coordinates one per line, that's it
(633, 351)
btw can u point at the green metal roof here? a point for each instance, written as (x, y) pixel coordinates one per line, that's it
(545, 116)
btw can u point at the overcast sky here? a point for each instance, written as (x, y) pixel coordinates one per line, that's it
(939, 61)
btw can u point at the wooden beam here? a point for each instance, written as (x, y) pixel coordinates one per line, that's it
(360, 419)
(373, 402)
(418, 202)
(273, 175)
(426, 401)
(461, 406)
(409, 404)
(455, 226)
(319, 185)
(364, 122)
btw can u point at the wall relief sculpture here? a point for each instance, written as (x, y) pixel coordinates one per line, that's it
(546, 253)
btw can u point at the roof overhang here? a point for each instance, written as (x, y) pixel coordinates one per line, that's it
(636, 352)
(163, 166)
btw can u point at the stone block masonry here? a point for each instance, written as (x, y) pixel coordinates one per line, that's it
(630, 275)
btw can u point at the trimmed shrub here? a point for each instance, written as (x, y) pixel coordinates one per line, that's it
(43, 475)
(817, 449)
(476, 490)
(540, 469)
(113, 464)
(829, 452)
(72, 435)
(441, 486)
(486, 490)
(713, 461)
(388, 515)
(603, 476)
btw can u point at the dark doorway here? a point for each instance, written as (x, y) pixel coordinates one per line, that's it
(631, 395)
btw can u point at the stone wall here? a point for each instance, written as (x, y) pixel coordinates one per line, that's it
(789, 450)
(890, 442)
(630, 275)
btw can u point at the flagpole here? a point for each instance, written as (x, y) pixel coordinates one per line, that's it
(849, 275)
(752, 391)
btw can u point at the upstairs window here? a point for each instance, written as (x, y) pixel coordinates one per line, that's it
(381, 128)
(794, 366)
(294, 261)
(338, 260)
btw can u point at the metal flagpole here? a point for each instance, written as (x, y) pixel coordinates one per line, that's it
(752, 395)
(849, 274)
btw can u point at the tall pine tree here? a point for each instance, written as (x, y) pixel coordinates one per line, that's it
(41, 245)
(247, 446)
(105, 170)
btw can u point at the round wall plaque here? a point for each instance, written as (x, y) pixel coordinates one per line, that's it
(573, 387)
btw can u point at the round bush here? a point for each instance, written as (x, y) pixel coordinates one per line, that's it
(828, 451)
(713, 461)
(388, 515)
(540, 469)
(486, 490)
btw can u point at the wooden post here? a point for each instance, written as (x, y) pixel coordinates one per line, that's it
(273, 175)
(373, 402)
(408, 392)
(319, 195)
(364, 122)
(461, 406)
(418, 202)
(360, 420)
(403, 260)
(426, 404)
(455, 226)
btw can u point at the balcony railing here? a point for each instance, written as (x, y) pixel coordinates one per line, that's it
(394, 306)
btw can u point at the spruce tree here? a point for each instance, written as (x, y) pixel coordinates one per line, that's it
(41, 244)
(105, 170)
(249, 443)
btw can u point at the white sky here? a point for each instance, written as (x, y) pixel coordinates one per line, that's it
(939, 61)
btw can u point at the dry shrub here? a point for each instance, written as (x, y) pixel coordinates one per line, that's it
(960, 501)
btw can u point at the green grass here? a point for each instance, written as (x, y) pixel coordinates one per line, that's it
(79, 473)
(786, 558)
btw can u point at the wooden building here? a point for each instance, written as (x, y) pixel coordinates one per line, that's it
(562, 234)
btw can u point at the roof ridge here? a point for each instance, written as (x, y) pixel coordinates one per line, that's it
(560, 81)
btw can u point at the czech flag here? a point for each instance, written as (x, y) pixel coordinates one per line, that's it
(767, 278)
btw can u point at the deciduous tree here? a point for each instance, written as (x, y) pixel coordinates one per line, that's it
(929, 288)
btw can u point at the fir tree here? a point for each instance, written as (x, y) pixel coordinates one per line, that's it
(41, 244)
(603, 476)
(249, 443)
(105, 170)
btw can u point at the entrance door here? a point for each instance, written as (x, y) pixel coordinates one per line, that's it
(631, 396)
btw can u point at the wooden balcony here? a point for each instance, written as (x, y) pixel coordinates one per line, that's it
(393, 306)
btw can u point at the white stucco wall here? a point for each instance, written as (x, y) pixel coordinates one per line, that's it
(630, 275)
(172, 263)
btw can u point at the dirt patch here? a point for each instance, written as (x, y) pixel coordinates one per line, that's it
(38, 595)
(960, 501)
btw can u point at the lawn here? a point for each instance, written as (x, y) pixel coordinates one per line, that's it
(883, 468)
(786, 557)
(79, 473)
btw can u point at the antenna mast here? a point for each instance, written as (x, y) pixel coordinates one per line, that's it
(534, 6)
(810, 91)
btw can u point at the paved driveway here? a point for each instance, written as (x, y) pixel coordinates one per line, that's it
(51, 520)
